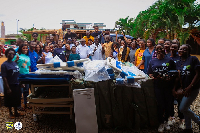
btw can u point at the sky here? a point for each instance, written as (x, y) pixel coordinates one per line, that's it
(49, 14)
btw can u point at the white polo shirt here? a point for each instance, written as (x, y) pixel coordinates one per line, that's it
(98, 53)
(83, 51)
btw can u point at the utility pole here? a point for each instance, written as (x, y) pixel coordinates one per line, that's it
(17, 25)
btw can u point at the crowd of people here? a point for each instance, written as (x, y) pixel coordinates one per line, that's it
(156, 60)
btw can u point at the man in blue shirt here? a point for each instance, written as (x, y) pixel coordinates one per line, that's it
(33, 56)
(60, 52)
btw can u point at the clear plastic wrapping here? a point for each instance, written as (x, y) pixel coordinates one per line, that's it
(96, 71)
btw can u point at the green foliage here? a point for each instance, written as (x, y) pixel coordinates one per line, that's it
(124, 25)
(28, 36)
(164, 19)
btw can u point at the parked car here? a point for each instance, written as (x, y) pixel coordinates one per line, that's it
(6, 46)
(120, 36)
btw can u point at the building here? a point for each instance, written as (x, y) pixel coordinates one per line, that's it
(71, 24)
(7, 39)
(2, 30)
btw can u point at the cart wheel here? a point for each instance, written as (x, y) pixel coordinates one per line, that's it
(35, 117)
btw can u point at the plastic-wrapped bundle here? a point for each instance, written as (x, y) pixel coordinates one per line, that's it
(133, 70)
(95, 71)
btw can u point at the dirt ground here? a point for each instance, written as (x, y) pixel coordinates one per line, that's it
(62, 123)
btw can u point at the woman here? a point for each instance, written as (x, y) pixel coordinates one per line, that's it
(158, 70)
(115, 49)
(139, 54)
(174, 56)
(48, 55)
(38, 50)
(167, 45)
(12, 92)
(123, 53)
(189, 81)
(132, 52)
(147, 55)
(23, 61)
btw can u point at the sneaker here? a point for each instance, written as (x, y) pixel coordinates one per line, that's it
(182, 125)
(171, 121)
(161, 128)
(166, 125)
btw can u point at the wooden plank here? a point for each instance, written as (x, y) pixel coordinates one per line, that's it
(50, 105)
(52, 112)
(50, 85)
(55, 100)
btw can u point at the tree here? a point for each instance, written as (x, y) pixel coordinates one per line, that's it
(166, 19)
(124, 25)
(28, 36)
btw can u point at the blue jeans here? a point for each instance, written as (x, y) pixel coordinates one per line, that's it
(185, 109)
(25, 92)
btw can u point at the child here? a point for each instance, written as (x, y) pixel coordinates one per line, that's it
(74, 55)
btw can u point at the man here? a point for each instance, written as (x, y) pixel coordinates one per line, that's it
(97, 33)
(87, 37)
(107, 32)
(35, 36)
(129, 41)
(69, 35)
(83, 50)
(33, 56)
(96, 50)
(52, 39)
(60, 52)
(107, 46)
(19, 42)
(47, 41)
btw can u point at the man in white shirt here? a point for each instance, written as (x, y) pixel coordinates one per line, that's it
(83, 50)
(96, 50)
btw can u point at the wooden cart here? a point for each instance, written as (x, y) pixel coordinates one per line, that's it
(65, 102)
